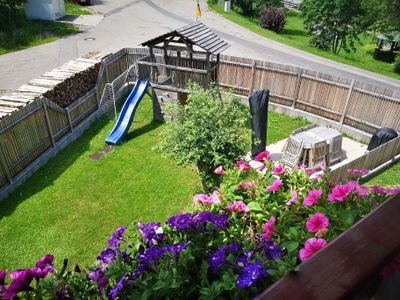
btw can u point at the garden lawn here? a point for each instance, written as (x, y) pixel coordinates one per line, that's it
(29, 33)
(389, 177)
(73, 204)
(73, 8)
(296, 36)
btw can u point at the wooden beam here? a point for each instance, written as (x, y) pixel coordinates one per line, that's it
(348, 261)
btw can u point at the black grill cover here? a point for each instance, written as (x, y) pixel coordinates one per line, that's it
(381, 137)
(259, 112)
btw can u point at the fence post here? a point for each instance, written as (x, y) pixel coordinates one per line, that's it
(346, 105)
(297, 88)
(3, 164)
(253, 73)
(69, 119)
(46, 115)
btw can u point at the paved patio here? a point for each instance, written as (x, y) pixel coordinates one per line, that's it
(351, 149)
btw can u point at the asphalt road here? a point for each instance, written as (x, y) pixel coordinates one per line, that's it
(127, 23)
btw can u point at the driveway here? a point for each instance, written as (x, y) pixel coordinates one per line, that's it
(127, 23)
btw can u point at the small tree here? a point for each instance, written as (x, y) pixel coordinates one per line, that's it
(8, 11)
(338, 22)
(207, 132)
(260, 4)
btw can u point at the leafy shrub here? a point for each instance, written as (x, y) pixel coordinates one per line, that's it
(208, 131)
(273, 18)
(260, 4)
(320, 41)
(233, 243)
(396, 65)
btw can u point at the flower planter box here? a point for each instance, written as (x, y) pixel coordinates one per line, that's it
(349, 260)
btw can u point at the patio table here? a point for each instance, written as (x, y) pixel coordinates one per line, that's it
(315, 135)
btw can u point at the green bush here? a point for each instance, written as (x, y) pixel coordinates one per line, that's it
(396, 65)
(209, 131)
(273, 18)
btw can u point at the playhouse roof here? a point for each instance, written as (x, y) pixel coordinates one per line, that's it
(193, 34)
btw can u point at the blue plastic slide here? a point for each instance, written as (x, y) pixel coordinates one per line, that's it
(127, 113)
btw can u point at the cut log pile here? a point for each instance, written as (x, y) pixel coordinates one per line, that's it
(62, 85)
(74, 86)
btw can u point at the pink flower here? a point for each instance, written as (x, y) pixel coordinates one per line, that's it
(383, 191)
(278, 169)
(238, 206)
(311, 247)
(309, 171)
(262, 168)
(247, 185)
(263, 155)
(317, 223)
(242, 165)
(206, 200)
(268, 228)
(312, 197)
(392, 191)
(358, 172)
(219, 170)
(275, 186)
(341, 192)
(294, 198)
(322, 165)
(361, 190)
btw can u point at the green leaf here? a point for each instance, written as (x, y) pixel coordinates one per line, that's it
(291, 246)
(255, 206)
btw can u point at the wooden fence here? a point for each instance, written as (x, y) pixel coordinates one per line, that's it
(29, 132)
(345, 101)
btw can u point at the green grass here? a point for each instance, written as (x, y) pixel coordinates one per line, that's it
(29, 33)
(296, 36)
(73, 8)
(71, 205)
(389, 177)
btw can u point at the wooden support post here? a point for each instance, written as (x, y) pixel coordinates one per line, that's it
(297, 89)
(253, 75)
(3, 164)
(46, 115)
(346, 105)
(69, 119)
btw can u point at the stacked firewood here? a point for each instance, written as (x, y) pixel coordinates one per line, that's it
(74, 87)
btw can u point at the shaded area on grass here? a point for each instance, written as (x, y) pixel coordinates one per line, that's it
(30, 33)
(296, 36)
(72, 8)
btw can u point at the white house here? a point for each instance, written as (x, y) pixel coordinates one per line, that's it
(45, 9)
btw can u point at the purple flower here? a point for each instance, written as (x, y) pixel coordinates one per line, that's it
(151, 256)
(251, 272)
(181, 222)
(44, 266)
(234, 247)
(217, 259)
(3, 274)
(270, 250)
(98, 275)
(244, 260)
(117, 236)
(107, 256)
(220, 221)
(120, 285)
(152, 233)
(63, 292)
(138, 272)
(176, 249)
(21, 282)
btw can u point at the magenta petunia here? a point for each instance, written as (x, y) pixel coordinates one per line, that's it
(278, 169)
(275, 186)
(247, 185)
(265, 155)
(268, 228)
(361, 191)
(219, 170)
(242, 165)
(294, 198)
(312, 197)
(358, 172)
(238, 206)
(206, 200)
(311, 247)
(317, 223)
(341, 192)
